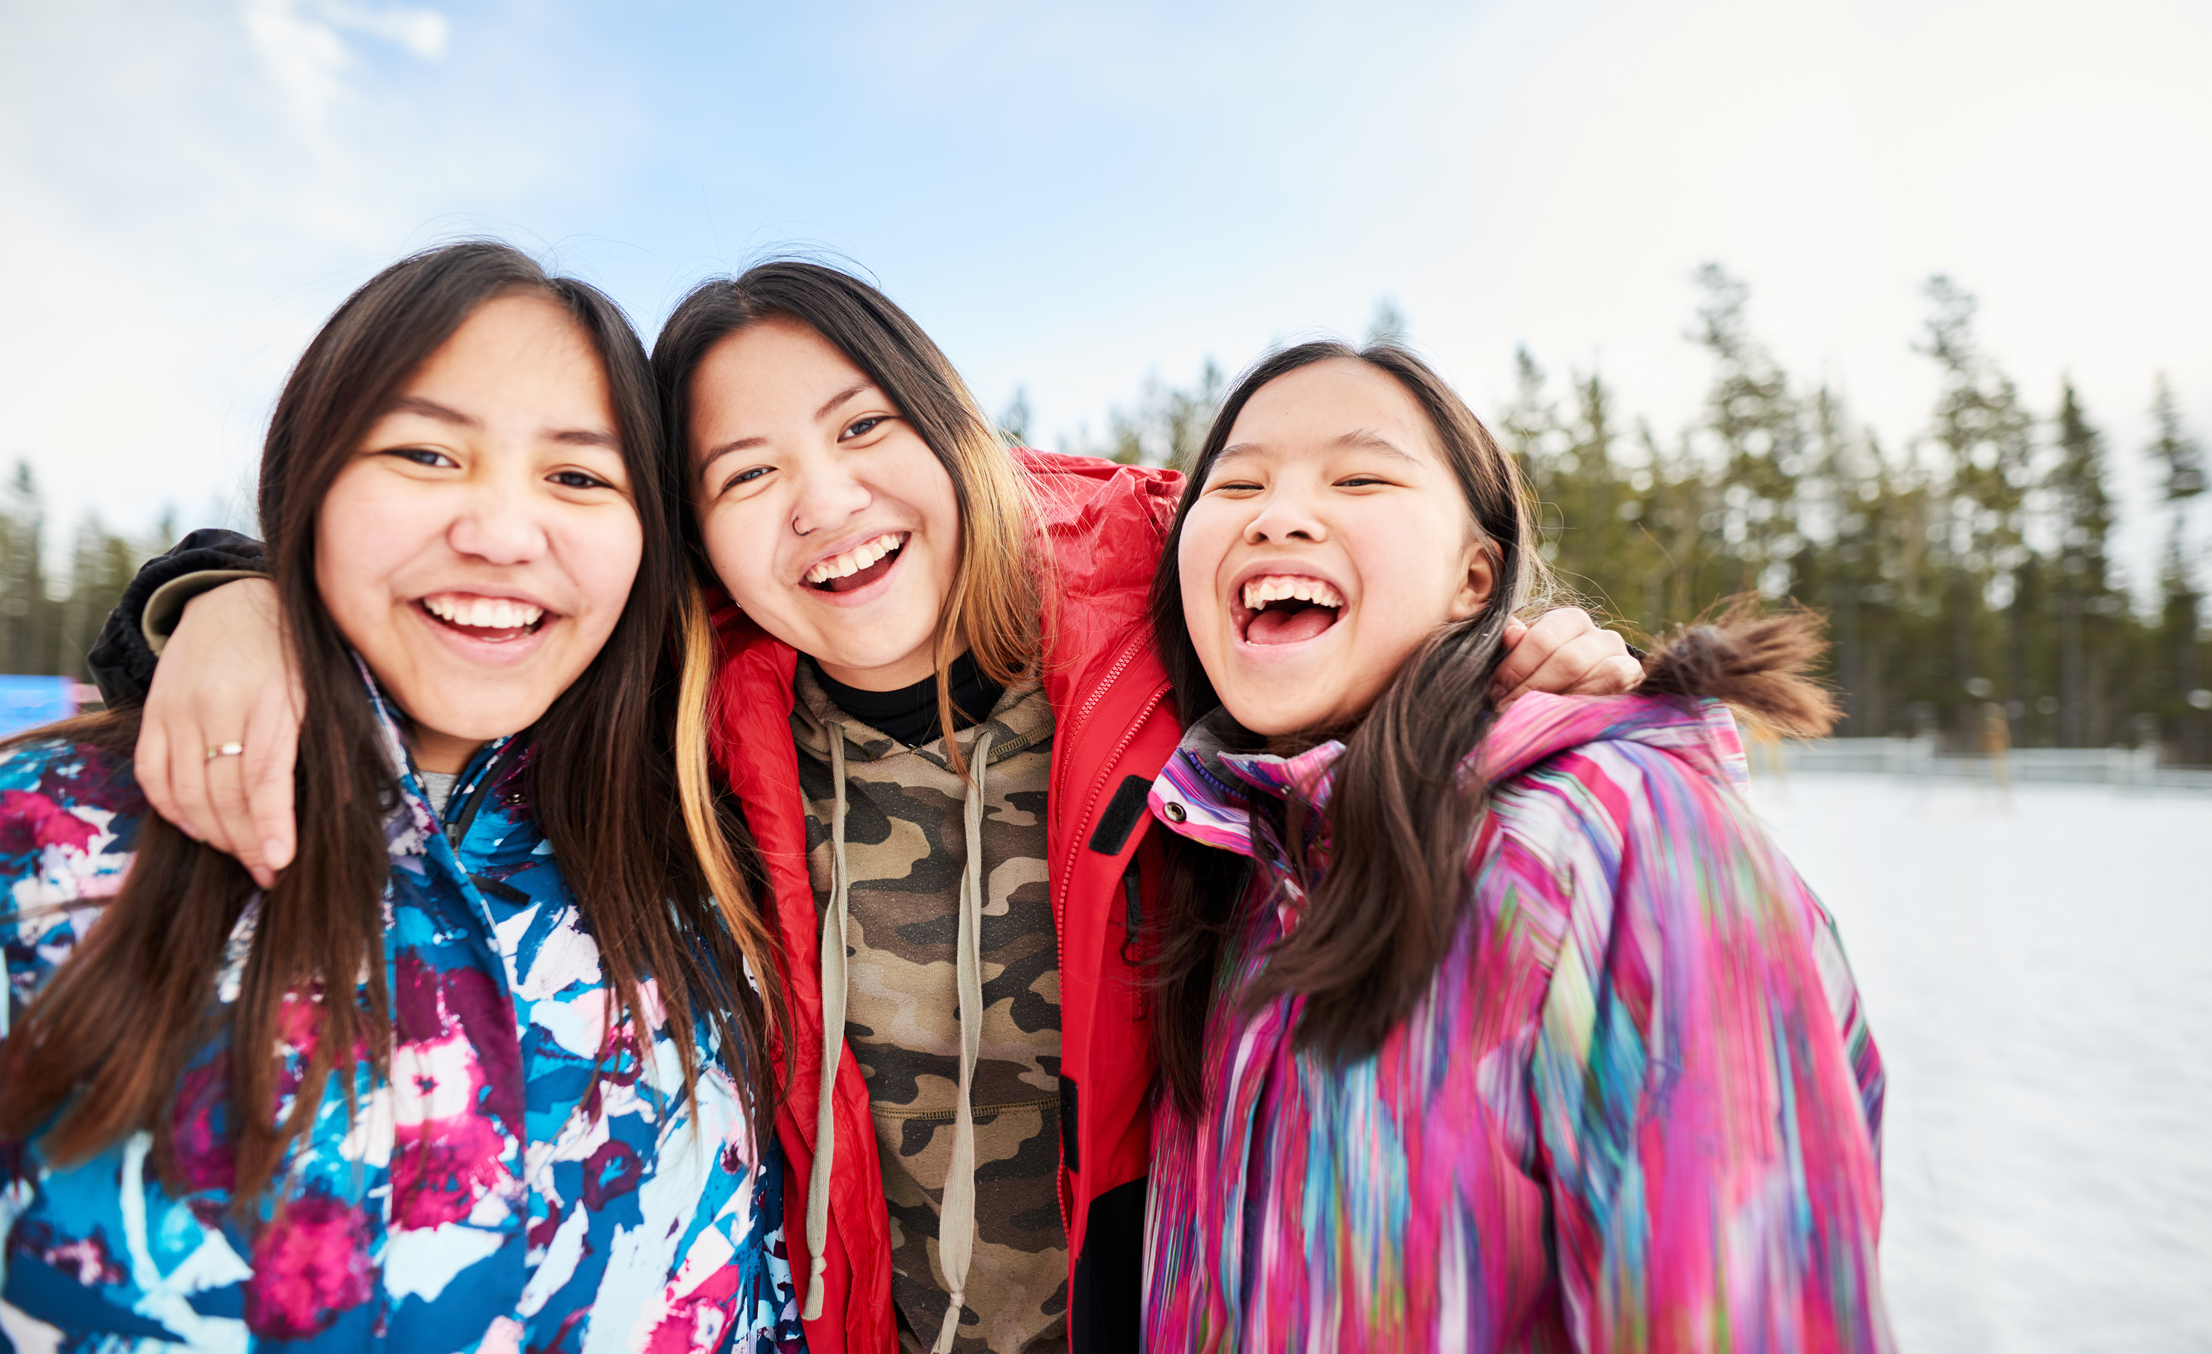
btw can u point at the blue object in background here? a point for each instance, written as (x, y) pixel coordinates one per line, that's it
(29, 701)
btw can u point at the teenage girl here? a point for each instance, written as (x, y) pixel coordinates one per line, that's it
(939, 708)
(527, 1123)
(1481, 1030)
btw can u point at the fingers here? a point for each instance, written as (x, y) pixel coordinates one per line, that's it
(1611, 677)
(226, 678)
(151, 763)
(1536, 645)
(191, 773)
(1577, 659)
(272, 751)
(233, 831)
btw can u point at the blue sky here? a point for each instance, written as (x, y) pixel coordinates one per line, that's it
(1072, 197)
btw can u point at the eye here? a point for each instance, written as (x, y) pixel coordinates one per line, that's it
(1361, 481)
(745, 476)
(861, 427)
(424, 456)
(577, 479)
(1233, 487)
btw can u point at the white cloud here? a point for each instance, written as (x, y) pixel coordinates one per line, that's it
(1069, 200)
(302, 43)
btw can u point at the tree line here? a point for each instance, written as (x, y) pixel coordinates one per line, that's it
(49, 620)
(1966, 575)
(1967, 572)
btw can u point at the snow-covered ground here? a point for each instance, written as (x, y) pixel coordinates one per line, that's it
(2038, 973)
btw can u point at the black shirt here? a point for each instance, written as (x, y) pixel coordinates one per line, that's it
(909, 714)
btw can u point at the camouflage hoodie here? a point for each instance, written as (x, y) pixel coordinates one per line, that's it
(907, 833)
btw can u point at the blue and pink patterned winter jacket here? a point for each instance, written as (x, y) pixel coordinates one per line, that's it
(492, 1194)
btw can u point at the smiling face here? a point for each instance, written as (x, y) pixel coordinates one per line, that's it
(826, 515)
(1329, 540)
(479, 545)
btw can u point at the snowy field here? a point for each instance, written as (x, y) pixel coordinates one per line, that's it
(2038, 973)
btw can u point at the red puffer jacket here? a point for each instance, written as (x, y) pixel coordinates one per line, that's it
(1114, 728)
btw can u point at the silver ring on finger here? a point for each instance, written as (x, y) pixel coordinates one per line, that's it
(226, 750)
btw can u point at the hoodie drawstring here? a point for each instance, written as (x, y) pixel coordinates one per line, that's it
(832, 960)
(956, 1217)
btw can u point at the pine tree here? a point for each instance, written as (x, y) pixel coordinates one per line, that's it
(1388, 324)
(1757, 436)
(2082, 511)
(28, 616)
(1168, 423)
(1013, 423)
(2181, 600)
(1982, 436)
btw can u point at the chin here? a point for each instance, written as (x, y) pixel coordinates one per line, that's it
(1274, 719)
(479, 724)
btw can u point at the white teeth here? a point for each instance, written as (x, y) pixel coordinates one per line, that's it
(482, 613)
(1260, 591)
(857, 558)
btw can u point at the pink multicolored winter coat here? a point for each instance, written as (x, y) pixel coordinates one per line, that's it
(1637, 1110)
(508, 1188)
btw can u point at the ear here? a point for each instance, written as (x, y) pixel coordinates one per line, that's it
(1480, 579)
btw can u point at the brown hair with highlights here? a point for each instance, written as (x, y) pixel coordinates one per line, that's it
(993, 603)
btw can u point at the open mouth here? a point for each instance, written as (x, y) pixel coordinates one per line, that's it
(859, 566)
(492, 619)
(1287, 608)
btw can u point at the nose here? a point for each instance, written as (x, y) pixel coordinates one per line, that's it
(500, 524)
(828, 497)
(1286, 514)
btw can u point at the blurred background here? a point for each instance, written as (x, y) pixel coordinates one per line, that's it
(1898, 309)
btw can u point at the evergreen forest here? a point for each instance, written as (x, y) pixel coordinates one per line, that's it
(1967, 575)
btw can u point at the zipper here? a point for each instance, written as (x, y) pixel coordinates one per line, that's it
(457, 828)
(1090, 705)
(1122, 661)
(1128, 736)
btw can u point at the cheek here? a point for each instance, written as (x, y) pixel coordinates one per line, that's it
(610, 546)
(923, 482)
(741, 545)
(1420, 563)
(1207, 535)
(358, 551)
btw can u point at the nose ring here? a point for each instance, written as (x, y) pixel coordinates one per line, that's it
(795, 528)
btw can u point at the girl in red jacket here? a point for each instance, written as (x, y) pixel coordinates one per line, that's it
(940, 712)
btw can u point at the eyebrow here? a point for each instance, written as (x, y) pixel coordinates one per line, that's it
(1366, 438)
(416, 404)
(574, 437)
(840, 397)
(748, 443)
(1370, 440)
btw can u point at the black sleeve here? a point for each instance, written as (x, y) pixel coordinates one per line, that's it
(121, 662)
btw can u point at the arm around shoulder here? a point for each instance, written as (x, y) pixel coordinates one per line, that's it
(122, 660)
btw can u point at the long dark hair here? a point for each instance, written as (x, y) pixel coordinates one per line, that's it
(101, 1050)
(1379, 920)
(994, 596)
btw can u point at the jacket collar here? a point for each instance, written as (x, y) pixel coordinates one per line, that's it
(1208, 793)
(413, 824)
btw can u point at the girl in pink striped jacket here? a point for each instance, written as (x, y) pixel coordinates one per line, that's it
(1481, 1028)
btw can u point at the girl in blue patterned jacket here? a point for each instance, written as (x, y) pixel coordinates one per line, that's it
(474, 1073)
